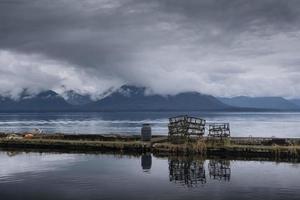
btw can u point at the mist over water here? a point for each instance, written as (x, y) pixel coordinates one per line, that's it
(242, 124)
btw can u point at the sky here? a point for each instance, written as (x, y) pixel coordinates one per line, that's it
(218, 47)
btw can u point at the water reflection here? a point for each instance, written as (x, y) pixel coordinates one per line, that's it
(190, 172)
(187, 171)
(146, 162)
(13, 163)
(13, 153)
(114, 176)
(219, 170)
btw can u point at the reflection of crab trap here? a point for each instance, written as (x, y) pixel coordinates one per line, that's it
(219, 130)
(187, 172)
(219, 169)
(185, 127)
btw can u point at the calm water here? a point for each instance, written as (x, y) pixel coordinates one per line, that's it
(77, 176)
(242, 124)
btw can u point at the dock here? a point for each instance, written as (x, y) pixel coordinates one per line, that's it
(273, 148)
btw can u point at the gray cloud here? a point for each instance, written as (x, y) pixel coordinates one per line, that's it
(219, 47)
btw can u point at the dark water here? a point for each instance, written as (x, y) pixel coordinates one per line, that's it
(242, 123)
(78, 176)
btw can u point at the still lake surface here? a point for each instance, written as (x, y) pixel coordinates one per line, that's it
(86, 176)
(265, 124)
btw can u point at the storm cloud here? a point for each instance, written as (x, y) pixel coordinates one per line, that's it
(218, 47)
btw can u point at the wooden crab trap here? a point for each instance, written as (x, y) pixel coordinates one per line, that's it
(185, 128)
(219, 130)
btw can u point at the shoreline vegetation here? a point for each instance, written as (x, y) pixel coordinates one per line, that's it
(235, 147)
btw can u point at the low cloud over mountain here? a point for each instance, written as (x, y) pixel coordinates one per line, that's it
(216, 47)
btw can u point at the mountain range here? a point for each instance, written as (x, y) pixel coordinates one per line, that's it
(136, 98)
(296, 102)
(131, 98)
(273, 103)
(76, 99)
(44, 101)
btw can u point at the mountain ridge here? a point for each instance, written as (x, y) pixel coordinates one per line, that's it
(278, 103)
(43, 101)
(132, 98)
(76, 99)
(295, 101)
(136, 98)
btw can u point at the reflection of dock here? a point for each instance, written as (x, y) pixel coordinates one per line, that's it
(187, 172)
(219, 169)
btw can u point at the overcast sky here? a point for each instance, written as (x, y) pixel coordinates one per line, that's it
(218, 47)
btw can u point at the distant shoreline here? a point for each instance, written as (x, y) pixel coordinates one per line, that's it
(150, 110)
